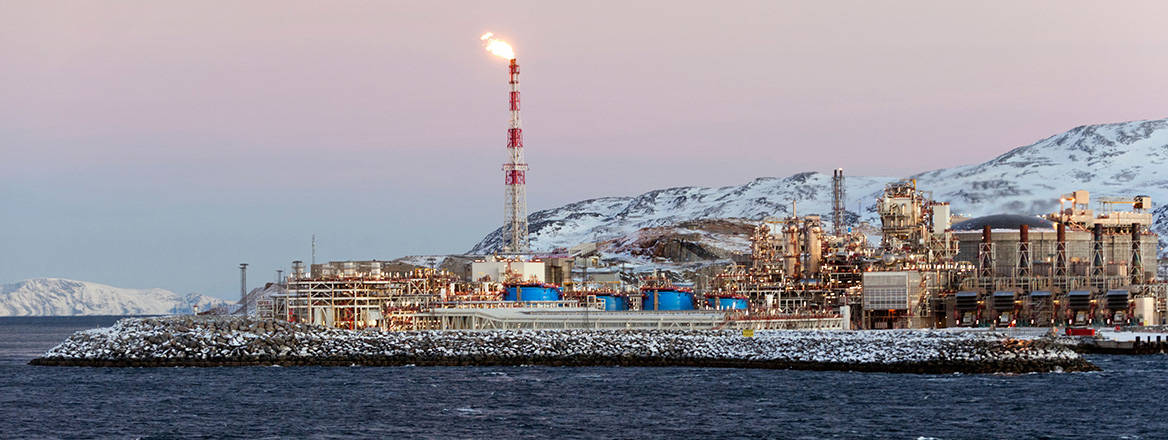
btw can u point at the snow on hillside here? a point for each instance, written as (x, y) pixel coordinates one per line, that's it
(612, 217)
(1116, 160)
(1109, 160)
(60, 297)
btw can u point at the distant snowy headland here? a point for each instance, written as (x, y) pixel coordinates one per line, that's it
(62, 297)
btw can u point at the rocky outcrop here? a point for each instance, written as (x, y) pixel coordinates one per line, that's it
(691, 241)
(223, 341)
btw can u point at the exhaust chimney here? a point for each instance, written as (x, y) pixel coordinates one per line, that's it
(1024, 271)
(1137, 258)
(1097, 263)
(242, 283)
(1060, 258)
(985, 256)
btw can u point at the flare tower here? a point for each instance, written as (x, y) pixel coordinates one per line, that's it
(515, 176)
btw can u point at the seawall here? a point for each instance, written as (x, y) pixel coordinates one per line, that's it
(217, 341)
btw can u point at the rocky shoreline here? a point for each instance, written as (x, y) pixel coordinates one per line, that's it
(218, 341)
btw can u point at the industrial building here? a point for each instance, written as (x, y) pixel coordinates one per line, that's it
(1076, 266)
(1043, 246)
(1072, 267)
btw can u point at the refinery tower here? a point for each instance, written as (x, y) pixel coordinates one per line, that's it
(515, 169)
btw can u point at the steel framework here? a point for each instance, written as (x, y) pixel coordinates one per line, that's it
(837, 206)
(515, 176)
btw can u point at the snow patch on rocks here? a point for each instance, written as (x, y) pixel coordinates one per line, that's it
(209, 341)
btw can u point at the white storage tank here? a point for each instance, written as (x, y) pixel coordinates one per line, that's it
(1145, 311)
(940, 218)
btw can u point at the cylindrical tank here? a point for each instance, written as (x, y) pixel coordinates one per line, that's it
(297, 269)
(790, 248)
(375, 269)
(814, 250)
(727, 302)
(349, 269)
(666, 299)
(1062, 233)
(940, 218)
(532, 292)
(614, 302)
(1024, 233)
(986, 235)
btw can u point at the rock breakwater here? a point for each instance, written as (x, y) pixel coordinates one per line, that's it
(238, 341)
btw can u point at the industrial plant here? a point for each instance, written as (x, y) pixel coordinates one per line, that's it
(930, 268)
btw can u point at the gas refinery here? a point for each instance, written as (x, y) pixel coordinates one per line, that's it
(928, 268)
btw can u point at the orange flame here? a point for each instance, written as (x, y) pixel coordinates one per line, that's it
(497, 46)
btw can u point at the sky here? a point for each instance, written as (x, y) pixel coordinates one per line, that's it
(160, 144)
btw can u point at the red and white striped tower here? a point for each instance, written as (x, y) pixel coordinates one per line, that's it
(515, 177)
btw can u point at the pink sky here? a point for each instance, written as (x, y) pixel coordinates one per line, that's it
(233, 112)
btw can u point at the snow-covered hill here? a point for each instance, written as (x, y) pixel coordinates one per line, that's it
(1110, 160)
(60, 297)
(612, 217)
(1119, 160)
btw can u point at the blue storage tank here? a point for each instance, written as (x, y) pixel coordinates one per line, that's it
(532, 292)
(613, 302)
(727, 303)
(666, 299)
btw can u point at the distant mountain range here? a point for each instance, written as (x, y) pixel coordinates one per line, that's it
(1118, 160)
(60, 297)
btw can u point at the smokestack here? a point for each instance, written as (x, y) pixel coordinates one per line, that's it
(1137, 257)
(1060, 263)
(242, 281)
(1097, 263)
(1024, 271)
(986, 270)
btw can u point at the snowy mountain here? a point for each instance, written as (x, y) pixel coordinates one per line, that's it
(60, 297)
(1118, 160)
(1109, 160)
(612, 217)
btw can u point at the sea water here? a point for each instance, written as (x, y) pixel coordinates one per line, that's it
(1126, 400)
